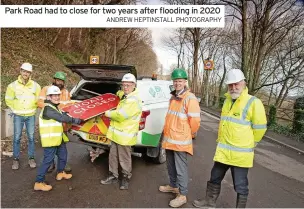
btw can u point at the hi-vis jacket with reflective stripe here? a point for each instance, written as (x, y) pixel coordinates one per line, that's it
(51, 131)
(182, 121)
(64, 97)
(125, 119)
(242, 125)
(22, 99)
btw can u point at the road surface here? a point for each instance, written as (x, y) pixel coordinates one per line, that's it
(277, 179)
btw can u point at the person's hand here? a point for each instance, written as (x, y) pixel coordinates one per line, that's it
(10, 113)
(77, 121)
(107, 113)
(194, 135)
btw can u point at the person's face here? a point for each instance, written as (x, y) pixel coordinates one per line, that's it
(179, 84)
(128, 87)
(235, 89)
(25, 74)
(59, 83)
(55, 98)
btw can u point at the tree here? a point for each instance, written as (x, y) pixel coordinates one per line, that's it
(264, 25)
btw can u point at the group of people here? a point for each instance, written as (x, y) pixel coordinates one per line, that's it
(242, 126)
(23, 97)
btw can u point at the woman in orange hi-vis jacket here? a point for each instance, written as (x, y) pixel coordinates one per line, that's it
(65, 100)
(182, 122)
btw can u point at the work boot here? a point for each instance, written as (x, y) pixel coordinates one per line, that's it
(212, 193)
(241, 201)
(178, 201)
(67, 168)
(32, 163)
(168, 188)
(51, 168)
(63, 175)
(41, 186)
(124, 184)
(15, 165)
(111, 179)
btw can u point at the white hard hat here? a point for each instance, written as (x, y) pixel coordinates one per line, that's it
(234, 76)
(53, 90)
(129, 78)
(27, 66)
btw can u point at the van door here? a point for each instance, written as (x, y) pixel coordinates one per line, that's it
(102, 72)
(156, 100)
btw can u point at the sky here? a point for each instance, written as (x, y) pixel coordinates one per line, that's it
(165, 56)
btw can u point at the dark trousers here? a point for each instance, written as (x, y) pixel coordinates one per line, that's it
(239, 176)
(48, 158)
(177, 165)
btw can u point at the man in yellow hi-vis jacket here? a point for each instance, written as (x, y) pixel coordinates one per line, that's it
(21, 97)
(242, 126)
(123, 131)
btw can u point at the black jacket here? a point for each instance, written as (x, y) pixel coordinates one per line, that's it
(50, 113)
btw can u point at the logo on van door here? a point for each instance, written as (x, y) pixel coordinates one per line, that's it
(156, 92)
(152, 92)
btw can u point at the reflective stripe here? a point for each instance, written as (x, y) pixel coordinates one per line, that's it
(188, 98)
(260, 126)
(48, 104)
(132, 97)
(123, 112)
(50, 135)
(243, 120)
(233, 148)
(26, 97)
(136, 117)
(15, 85)
(137, 101)
(194, 114)
(185, 101)
(245, 111)
(50, 124)
(66, 95)
(122, 133)
(178, 114)
(35, 87)
(9, 97)
(41, 97)
(178, 142)
(24, 111)
(235, 120)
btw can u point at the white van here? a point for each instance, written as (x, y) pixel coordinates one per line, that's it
(155, 94)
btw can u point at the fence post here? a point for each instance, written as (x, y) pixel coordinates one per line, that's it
(298, 121)
(272, 119)
(214, 100)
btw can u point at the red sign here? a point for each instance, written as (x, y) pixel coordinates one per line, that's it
(95, 106)
(208, 64)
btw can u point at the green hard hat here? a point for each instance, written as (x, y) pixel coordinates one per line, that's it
(179, 73)
(60, 75)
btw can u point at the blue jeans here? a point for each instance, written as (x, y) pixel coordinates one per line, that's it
(48, 158)
(19, 122)
(239, 176)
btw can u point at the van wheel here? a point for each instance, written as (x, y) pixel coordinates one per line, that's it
(161, 158)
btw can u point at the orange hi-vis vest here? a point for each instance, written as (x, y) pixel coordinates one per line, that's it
(182, 121)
